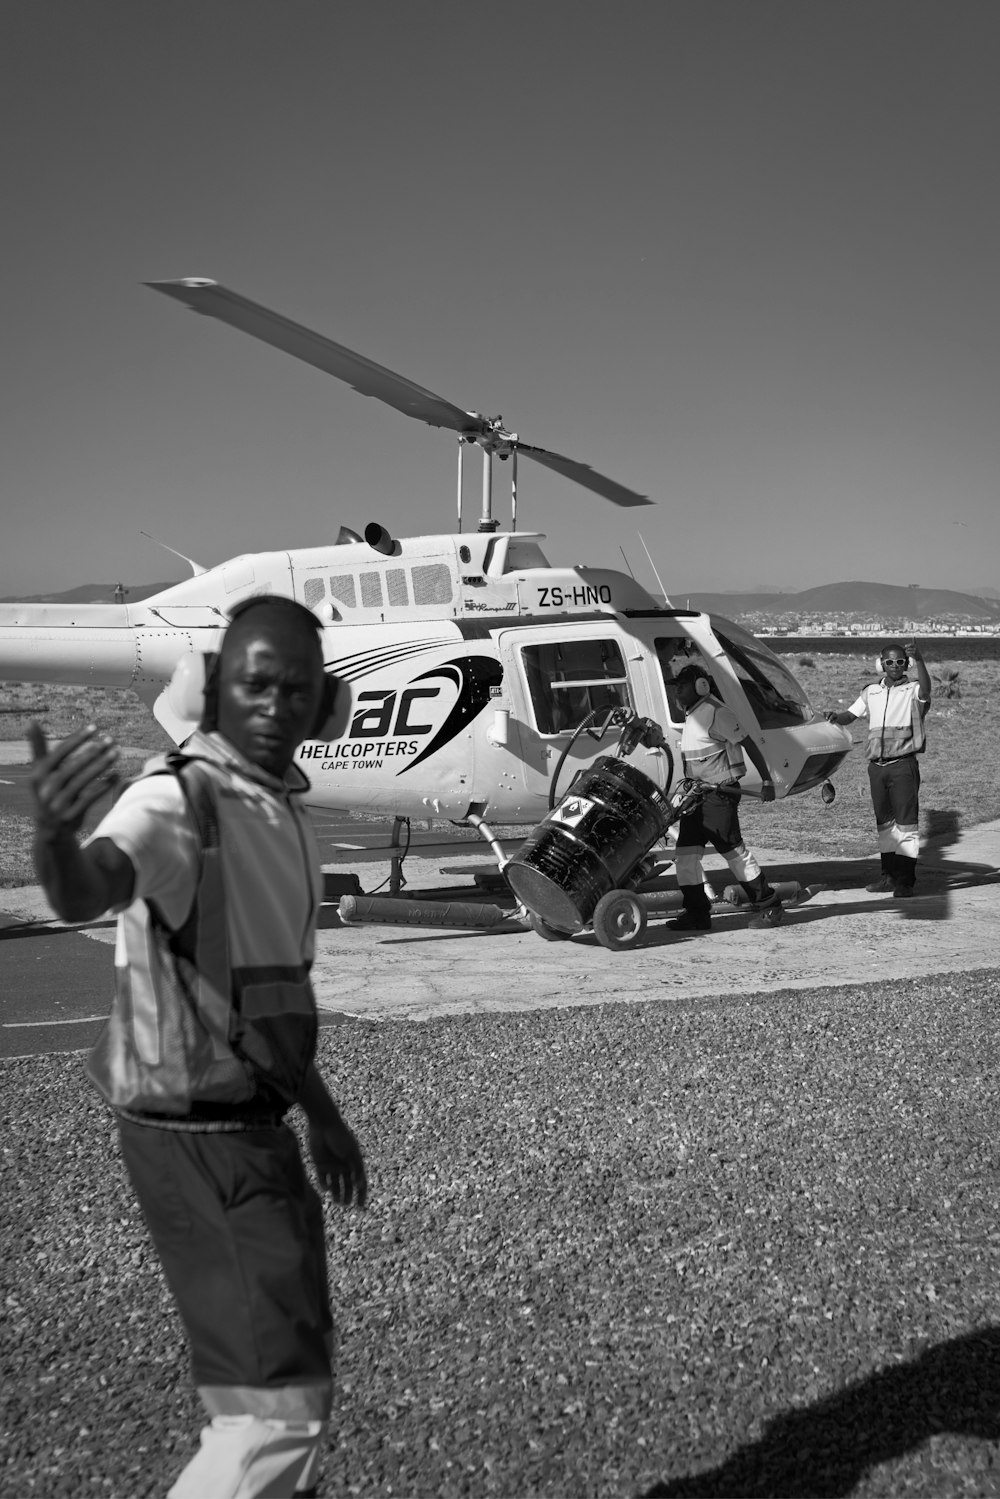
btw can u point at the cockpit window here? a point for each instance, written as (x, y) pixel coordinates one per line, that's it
(772, 692)
(570, 681)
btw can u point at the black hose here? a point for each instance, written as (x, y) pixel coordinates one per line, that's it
(566, 749)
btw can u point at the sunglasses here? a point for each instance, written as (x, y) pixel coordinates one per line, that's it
(895, 661)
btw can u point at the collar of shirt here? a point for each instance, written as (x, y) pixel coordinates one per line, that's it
(212, 746)
(703, 702)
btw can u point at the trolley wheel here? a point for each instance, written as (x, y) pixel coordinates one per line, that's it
(619, 920)
(542, 929)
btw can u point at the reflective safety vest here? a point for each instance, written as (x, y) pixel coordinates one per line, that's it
(706, 751)
(219, 1014)
(895, 722)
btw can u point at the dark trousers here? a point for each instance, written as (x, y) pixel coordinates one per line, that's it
(716, 820)
(239, 1233)
(895, 789)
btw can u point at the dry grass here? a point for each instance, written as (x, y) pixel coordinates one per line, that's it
(960, 787)
(61, 710)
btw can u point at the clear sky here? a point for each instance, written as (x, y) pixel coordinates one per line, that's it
(740, 255)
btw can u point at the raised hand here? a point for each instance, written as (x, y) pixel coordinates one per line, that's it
(69, 778)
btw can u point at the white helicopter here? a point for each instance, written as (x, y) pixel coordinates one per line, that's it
(475, 678)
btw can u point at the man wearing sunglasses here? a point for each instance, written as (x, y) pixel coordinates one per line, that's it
(895, 708)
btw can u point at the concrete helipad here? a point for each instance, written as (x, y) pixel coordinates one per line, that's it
(842, 935)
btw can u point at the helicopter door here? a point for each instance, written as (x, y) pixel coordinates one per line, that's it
(760, 690)
(565, 687)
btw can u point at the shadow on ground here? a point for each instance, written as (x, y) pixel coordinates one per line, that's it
(15, 928)
(941, 871)
(824, 1451)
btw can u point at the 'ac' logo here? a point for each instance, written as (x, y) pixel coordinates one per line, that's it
(390, 716)
(383, 713)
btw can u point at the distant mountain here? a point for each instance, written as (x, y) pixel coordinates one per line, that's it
(89, 593)
(884, 601)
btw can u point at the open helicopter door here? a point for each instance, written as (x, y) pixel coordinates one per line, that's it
(751, 680)
(568, 684)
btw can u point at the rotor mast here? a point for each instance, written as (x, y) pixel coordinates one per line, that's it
(493, 438)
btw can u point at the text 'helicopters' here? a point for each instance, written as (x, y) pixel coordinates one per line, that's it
(472, 672)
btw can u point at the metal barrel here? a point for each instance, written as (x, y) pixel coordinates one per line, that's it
(589, 844)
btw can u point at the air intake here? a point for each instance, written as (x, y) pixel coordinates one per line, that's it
(379, 539)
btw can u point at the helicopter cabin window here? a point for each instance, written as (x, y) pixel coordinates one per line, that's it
(342, 589)
(371, 590)
(395, 584)
(772, 691)
(574, 682)
(431, 583)
(313, 591)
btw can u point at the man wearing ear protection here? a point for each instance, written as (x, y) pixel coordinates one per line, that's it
(209, 861)
(712, 745)
(895, 708)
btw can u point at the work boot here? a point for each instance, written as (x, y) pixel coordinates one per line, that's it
(888, 879)
(697, 913)
(771, 914)
(688, 922)
(906, 877)
(766, 907)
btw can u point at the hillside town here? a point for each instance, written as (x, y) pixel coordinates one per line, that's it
(864, 626)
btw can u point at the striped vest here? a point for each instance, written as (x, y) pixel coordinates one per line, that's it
(895, 722)
(220, 1012)
(705, 756)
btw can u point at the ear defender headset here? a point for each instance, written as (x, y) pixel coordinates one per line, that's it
(193, 689)
(699, 681)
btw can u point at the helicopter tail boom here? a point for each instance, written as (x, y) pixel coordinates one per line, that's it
(94, 645)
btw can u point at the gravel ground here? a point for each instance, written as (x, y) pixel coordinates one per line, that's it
(745, 1246)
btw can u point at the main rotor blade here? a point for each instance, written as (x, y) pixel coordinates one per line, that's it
(371, 379)
(582, 473)
(364, 375)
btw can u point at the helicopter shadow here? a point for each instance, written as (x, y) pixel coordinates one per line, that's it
(824, 1450)
(942, 872)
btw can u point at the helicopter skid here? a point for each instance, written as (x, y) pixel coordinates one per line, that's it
(789, 892)
(360, 910)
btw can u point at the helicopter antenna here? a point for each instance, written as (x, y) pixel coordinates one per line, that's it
(627, 562)
(196, 567)
(652, 564)
(513, 486)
